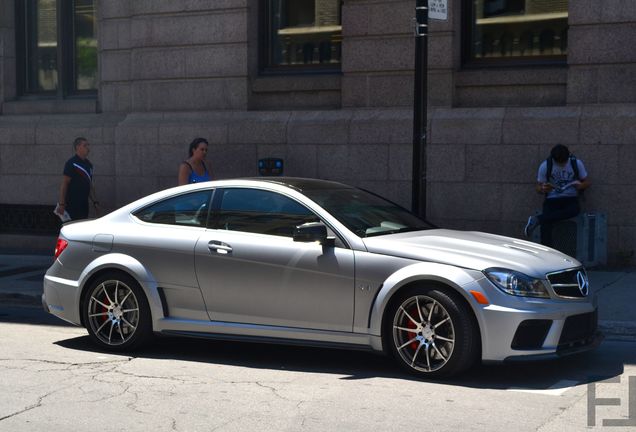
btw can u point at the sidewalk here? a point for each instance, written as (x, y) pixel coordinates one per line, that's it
(21, 283)
(21, 278)
(616, 292)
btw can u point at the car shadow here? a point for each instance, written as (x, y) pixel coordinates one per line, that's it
(606, 362)
(29, 314)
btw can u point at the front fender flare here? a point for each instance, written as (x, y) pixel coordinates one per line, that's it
(451, 276)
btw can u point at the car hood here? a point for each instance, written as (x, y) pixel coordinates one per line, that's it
(474, 250)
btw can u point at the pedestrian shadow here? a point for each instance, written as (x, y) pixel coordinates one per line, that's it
(607, 361)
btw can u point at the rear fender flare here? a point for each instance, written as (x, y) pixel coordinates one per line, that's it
(126, 264)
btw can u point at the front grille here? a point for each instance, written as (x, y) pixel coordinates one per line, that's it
(578, 330)
(531, 334)
(565, 284)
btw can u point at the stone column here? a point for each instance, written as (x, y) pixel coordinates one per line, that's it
(7, 52)
(601, 52)
(378, 55)
(173, 56)
(114, 55)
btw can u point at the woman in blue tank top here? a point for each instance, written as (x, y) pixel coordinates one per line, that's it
(194, 169)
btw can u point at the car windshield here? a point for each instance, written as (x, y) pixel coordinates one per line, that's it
(364, 213)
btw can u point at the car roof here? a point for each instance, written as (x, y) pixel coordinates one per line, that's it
(302, 184)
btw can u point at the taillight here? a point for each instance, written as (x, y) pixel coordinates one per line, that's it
(60, 246)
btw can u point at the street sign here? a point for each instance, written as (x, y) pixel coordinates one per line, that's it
(438, 9)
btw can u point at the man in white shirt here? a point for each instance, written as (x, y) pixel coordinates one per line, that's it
(561, 178)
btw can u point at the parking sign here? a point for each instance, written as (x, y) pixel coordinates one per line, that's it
(438, 9)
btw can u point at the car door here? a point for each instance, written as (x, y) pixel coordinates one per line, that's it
(250, 269)
(163, 242)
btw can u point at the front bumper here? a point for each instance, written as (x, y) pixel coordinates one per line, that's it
(592, 343)
(518, 328)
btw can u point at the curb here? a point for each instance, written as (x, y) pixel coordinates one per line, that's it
(618, 330)
(20, 300)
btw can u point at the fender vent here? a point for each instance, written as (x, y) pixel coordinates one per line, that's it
(164, 303)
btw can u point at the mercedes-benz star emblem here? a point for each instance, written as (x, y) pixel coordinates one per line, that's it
(584, 285)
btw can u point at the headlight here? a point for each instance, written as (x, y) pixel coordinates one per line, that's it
(515, 283)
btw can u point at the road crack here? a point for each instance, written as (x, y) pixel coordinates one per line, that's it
(35, 405)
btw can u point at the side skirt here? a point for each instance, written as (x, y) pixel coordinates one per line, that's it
(268, 334)
(268, 340)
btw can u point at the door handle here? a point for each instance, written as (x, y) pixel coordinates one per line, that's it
(219, 247)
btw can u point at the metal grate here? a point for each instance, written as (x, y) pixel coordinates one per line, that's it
(531, 334)
(546, 6)
(28, 219)
(564, 237)
(579, 329)
(591, 236)
(584, 237)
(565, 284)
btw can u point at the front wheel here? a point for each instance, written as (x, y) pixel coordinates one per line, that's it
(431, 333)
(116, 313)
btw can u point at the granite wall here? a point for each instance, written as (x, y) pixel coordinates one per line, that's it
(173, 70)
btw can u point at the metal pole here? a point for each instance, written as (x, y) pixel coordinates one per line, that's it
(419, 109)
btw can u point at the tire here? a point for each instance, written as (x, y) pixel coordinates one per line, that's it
(116, 312)
(431, 333)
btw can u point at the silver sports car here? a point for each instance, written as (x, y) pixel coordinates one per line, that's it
(312, 262)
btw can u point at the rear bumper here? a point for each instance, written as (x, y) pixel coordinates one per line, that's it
(44, 305)
(60, 298)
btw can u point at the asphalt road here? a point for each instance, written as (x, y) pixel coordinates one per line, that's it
(52, 378)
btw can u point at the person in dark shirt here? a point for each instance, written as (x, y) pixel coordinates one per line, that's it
(77, 183)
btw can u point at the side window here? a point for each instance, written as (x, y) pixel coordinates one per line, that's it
(262, 212)
(188, 210)
(56, 47)
(300, 35)
(515, 31)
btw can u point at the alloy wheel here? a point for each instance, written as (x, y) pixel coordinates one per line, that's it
(113, 312)
(423, 333)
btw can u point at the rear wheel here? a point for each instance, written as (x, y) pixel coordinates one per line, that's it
(116, 312)
(431, 333)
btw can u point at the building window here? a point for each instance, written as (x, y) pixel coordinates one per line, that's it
(57, 48)
(301, 35)
(516, 31)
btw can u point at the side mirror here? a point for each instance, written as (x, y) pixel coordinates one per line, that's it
(311, 232)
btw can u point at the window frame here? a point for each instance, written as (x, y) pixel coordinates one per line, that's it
(208, 217)
(66, 49)
(468, 24)
(265, 66)
(215, 208)
(214, 219)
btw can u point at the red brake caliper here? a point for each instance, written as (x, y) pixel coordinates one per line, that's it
(104, 309)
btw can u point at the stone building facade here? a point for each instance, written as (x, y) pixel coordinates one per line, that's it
(169, 71)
